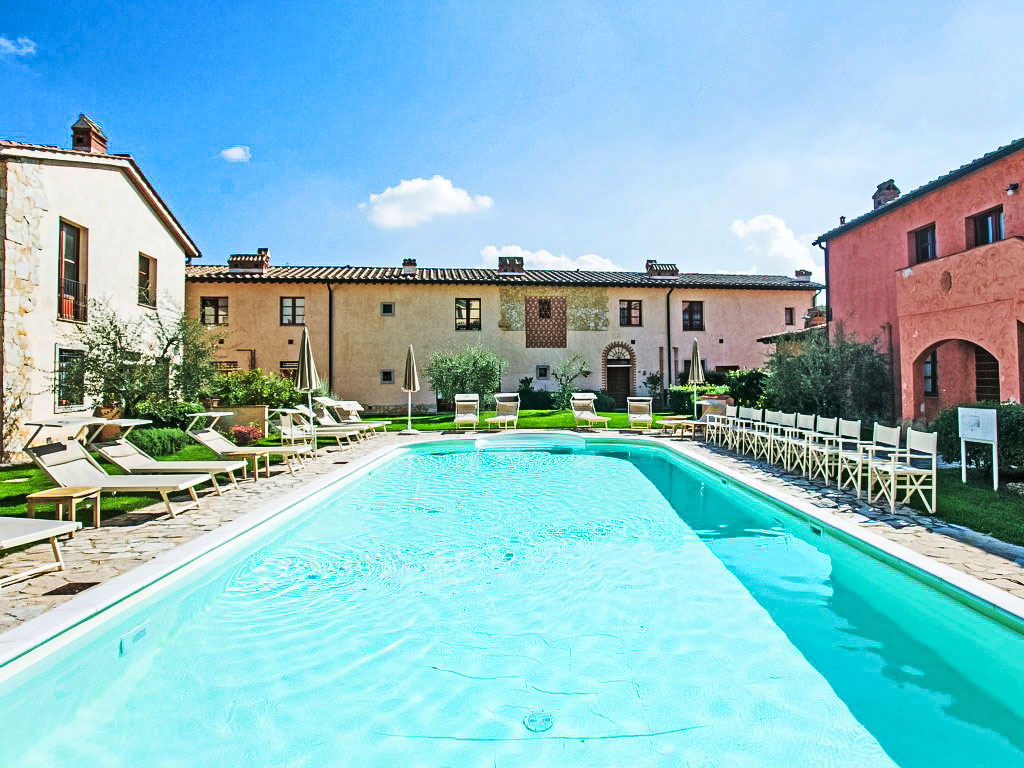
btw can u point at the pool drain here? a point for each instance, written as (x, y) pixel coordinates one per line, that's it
(538, 722)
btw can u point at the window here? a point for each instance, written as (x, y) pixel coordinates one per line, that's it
(924, 245)
(290, 369)
(70, 378)
(293, 310)
(790, 316)
(146, 281)
(988, 226)
(387, 308)
(467, 314)
(213, 310)
(72, 299)
(387, 376)
(544, 309)
(693, 315)
(931, 374)
(630, 313)
(543, 371)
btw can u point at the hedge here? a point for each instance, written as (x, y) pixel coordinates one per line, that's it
(1010, 425)
(160, 441)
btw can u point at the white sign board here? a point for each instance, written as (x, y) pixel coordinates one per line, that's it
(978, 425)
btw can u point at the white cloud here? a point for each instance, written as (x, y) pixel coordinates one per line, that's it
(22, 46)
(414, 201)
(236, 154)
(774, 246)
(547, 260)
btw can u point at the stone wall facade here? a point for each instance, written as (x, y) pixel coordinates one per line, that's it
(25, 205)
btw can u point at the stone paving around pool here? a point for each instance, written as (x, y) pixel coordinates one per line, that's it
(97, 555)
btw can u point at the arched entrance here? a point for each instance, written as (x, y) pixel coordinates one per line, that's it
(952, 372)
(618, 371)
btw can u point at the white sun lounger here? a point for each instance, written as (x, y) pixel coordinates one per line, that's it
(467, 411)
(131, 459)
(349, 412)
(69, 464)
(583, 411)
(223, 447)
(18, 531)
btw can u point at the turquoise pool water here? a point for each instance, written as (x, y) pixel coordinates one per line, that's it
(607, 606)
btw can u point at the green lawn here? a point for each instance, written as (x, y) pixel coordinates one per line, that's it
(527, 420)
(19, 481)
(977, 506)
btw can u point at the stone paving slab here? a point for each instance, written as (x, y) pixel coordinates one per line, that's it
(126, 541)
(97, 555)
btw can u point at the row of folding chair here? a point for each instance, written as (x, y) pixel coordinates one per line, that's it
(831, 449)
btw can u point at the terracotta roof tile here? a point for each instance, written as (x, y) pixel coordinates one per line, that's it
(427, 275)
(963, 170)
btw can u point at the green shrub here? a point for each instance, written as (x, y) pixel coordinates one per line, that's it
(255, 387)
(680, 397)
(830, 377)
(473, 370)
(159, 441)
(534, 399)
(167, 413)
(746, 387)
(604, 402)
(1010, 426)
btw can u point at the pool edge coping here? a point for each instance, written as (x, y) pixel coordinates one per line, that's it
(63, 623)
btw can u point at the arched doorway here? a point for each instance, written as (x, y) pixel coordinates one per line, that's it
(618, 371)
(952, 372)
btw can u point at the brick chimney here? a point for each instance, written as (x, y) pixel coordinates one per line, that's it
(86, 136)
(250, 263)
(510, 265)
(655, 269)
(803, 275)
(408, 266)
(887, 192)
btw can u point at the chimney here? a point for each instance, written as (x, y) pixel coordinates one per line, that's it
(86, 136)
(887, 192)
(654, 269)
(803, 275)
(510, 265)
(250, 263)
(408, 266)
(842, 220)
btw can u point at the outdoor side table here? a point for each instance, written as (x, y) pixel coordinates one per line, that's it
(672, 424)
(66, 497)
(254, 454)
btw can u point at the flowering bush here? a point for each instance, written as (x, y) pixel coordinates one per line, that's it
(245, 434)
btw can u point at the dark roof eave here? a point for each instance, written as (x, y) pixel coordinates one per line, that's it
(250, 278)
(931, 186)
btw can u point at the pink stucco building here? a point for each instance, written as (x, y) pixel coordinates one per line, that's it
(936, 277)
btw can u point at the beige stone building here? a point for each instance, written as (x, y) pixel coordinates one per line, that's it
(362, 319)
(75, 224)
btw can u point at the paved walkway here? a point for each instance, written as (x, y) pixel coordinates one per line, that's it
(991, 560)
(96, 555)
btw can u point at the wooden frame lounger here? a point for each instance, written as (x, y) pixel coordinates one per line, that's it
(467, 411)
(69, 464)
(127, 456)
(18, 531)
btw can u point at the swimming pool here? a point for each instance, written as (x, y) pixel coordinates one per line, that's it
(581, 603)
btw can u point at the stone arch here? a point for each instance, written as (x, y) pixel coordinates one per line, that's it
(619, 354)
(964, 371)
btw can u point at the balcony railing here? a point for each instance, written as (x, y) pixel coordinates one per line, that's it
(72, 301)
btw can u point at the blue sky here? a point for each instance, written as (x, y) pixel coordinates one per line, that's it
(719, 138)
